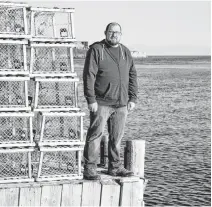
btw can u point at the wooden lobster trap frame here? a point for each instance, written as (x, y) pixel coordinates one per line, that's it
(15, 165)
(59, 163)
(16, 129)
(52, 60)
(52, 24)
(56, 94)
(14, 93)
(13, 20)
(13, 57)
(61, 128)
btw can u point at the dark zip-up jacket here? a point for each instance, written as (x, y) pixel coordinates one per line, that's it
(106, 80)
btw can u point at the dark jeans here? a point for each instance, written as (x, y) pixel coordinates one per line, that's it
(115, 118)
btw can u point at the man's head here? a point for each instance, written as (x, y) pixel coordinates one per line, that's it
(113, 33)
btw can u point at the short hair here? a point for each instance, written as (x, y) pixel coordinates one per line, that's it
(112, 23)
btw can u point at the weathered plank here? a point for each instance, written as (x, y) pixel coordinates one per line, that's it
(110, 193)
(9, 197)
(71, 195)
(91, 193)
(51, 195)
(30, 196)
(131, 193)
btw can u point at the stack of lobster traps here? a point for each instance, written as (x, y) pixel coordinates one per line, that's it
(16, 133)
(41, 125)
(59, 120)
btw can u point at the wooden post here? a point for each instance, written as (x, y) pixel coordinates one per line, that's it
(85, 131)
(104, 150)
(25, 57)
(134, 157)
(25, 21)
(76, 93)
(26, 93)
(32, 55)
(72, 26)
(71, 59)
(32, 26)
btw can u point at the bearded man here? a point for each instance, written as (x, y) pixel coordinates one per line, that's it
(110, 88)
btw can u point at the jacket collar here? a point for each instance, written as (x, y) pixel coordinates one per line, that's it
(105, 47)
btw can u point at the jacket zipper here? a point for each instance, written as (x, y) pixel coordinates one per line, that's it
(120, 85)
(119, 75)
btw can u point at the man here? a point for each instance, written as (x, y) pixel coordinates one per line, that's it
(110, 88)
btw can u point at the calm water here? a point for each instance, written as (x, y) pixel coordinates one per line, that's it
(173, 116)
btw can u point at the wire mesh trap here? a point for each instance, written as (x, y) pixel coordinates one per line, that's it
(15, 165)
(56, 94)
(16, 129)
(50, 24)
(13, 57)
(59, 163)
(61, 128)
(13, 20)
(52, 60)
(14, 93)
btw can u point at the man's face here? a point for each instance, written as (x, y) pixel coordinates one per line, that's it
(113, 35)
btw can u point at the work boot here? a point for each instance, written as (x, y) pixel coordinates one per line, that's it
(90, 174)
(121, 171)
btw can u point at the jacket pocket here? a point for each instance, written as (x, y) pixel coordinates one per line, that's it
(111, 92)
(102, 91)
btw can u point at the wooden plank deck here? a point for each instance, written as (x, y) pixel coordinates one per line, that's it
(109, 191)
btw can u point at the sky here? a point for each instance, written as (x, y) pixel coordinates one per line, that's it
(154, 27)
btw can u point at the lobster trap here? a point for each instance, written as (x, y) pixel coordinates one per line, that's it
(14, 93)
(52, 24)
(51, 60)
(54, 94)
(61, 128)
(13, 59)
(16, 129)
(58, 163)
(13, 20)
(15, 165)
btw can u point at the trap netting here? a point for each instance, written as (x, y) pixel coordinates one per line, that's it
(59, 162)
(13, 57)
(61, 127)
(52, 23)
(56, 93)
(51, 59)
(12, 19)
(13, 93)
(15, 164)
(16, 128)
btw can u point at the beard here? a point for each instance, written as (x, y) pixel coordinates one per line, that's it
(113, 41)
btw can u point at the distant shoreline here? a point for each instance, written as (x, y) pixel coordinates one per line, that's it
(171, 56)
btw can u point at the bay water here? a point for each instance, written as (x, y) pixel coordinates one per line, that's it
(173, 116)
